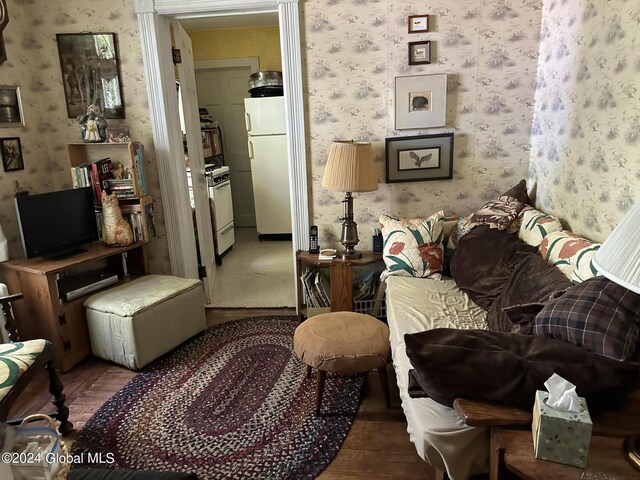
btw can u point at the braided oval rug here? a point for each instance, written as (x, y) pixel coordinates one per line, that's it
(231, 403)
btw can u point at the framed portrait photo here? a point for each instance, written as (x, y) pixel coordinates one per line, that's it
(420, 53)
(91, 73)
(421, 101)
(419, 158)
(418, 23)
(11, 151)
(10, 107)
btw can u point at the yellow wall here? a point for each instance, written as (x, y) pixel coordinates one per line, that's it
(261, 42)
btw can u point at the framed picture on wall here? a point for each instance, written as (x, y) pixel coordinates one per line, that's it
(421, 101)
(420, 53)
(10, 107)
(11, 151)
(91, 73)
(418, 23)
(419, 158)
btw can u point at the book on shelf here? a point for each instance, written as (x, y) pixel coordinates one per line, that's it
(101, 172)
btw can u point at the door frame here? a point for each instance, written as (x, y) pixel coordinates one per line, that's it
(154, 17)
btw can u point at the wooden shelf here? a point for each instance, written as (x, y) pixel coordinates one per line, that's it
(43, 314)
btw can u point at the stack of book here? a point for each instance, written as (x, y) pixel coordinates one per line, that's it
(316, 288)
(93, 174)
(123, 188)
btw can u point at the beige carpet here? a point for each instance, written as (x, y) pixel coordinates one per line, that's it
(255, 274)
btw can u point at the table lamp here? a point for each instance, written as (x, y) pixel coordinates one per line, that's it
(350, 169)
(619, 260)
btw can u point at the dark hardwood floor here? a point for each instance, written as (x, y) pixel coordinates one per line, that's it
(377, 446)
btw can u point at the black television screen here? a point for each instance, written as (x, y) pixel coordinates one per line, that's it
(56, 224)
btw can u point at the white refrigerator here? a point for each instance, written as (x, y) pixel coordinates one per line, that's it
(267, 137)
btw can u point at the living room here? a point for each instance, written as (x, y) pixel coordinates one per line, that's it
(543, 90)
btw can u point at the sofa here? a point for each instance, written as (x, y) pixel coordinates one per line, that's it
(476, 309)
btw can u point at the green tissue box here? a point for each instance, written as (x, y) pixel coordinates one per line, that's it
(561, 437)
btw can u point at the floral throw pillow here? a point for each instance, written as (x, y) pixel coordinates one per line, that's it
(572, 254)
(413, 247)
(536, 225)
(502, 213)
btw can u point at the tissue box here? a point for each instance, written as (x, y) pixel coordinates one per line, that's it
(561, 437)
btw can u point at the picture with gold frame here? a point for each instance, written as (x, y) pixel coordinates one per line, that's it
(10, 107)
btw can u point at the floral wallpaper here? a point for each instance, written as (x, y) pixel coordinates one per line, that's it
(585, 154)
(354, 50)
(33, 65)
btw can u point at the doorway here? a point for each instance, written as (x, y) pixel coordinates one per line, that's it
(222, 88)
(154, 18)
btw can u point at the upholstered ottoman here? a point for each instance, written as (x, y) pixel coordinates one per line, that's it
(344, 343)
(137, 322)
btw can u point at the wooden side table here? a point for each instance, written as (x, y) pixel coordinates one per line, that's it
(515, 451)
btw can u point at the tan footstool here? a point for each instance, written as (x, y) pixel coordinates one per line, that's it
(346, 343)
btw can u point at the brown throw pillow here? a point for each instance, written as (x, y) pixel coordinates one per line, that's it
(598, 315)
(502, 213)
(508, 369)
(519, 192)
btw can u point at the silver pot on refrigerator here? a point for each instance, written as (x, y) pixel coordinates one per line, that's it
(265, 83)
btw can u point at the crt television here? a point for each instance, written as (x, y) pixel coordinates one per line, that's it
(56, 224)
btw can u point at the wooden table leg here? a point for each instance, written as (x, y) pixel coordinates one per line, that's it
(384, 381)
(321, 377)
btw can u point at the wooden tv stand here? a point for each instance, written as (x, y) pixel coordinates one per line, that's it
(43, 314)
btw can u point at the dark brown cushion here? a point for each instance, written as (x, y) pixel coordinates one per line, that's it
(483, 261)
(507, 368)
(597, 314)
(519, 191)
(533, 280)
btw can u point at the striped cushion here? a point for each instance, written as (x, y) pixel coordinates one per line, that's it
(598, 315)
(15, 360)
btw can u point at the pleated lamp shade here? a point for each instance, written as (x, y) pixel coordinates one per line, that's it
(350, 167)
(618, 258)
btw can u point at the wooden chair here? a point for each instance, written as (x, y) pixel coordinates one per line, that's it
(20, 361)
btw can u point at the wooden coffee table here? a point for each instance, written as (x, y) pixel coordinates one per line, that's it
(606, 459)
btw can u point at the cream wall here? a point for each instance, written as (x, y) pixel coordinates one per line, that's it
(586, 138)
(261, 42)
(33, 64)
(353, 53)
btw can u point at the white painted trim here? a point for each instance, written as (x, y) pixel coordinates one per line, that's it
(171, 175)
(155, 37)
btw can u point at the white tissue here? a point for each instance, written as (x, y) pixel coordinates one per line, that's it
(562, 394)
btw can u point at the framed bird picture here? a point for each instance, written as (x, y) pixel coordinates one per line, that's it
(419, 158)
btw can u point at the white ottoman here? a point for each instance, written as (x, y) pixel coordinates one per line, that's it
(137, 322)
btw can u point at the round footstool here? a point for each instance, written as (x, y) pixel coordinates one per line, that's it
(345, 343)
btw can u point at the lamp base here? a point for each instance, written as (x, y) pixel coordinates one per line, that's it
(349, 255)
(632, 450)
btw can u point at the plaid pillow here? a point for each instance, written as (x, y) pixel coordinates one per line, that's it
(598, 315)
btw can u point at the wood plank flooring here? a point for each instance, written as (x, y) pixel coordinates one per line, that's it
(377, 446)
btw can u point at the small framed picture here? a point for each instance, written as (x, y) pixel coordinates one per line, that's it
(418, 23)
(118, 135)
(421, 101)
(10, 107)
(420, 53)
(11, 152)
(419, 158)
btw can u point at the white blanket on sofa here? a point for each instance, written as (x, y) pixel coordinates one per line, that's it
(439, 434)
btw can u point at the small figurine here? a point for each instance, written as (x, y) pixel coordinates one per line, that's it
(93, 126)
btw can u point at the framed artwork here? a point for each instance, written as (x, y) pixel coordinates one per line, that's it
(10, 107)
(421, 101)
(91, 73)
(418, 23)
(118, 135)
(419, 158)
(420, 53)
(11, 152)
